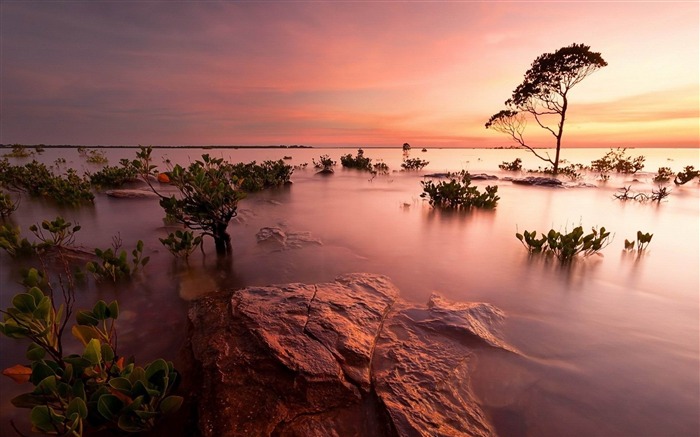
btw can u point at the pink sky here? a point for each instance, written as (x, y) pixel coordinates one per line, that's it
(338, 74)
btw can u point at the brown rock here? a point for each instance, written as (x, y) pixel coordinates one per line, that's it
(336, 359)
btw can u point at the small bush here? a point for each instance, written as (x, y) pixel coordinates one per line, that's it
(516, 165)
(641, 242)
(181, 244)
(115, 267)
(7, 205)
(566, 246)
(414, 164)
(19, 151)
(618, 161)
(664, 174)
(37, 180)
(325, 163)
(114, 176)
(687, 175)
(359, 162)
(457, 193)
(256, 177)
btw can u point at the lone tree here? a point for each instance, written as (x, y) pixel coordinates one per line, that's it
(544, 93)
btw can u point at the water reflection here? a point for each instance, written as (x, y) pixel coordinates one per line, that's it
(610, 344)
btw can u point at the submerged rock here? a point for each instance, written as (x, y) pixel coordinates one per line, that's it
(286, 239)
(133, 193)
(483, 177)
(345, 358)
(538, 180)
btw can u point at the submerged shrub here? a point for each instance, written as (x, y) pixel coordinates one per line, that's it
(688, 174)
(664, 174)
(19, 151)
(625, 193)
(359, 162)
(7, 205)
(256, 177)
(37, 180)
(181, 243)
(414, 164)
(114, 176)
(324, 162)
(566, 246)
(13, 243)
(93, 156)
(516, 165)
(641, 242)
(209, 195)
(59, 233)
(458, 193)
(618, 161)
(112, 263)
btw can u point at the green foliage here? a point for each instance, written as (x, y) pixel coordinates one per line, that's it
(414, 163)
(209, 195)
(7, 205)
(93, 156)
(93, 390)
(641, 243)
(60, 233)
(114, 176)
(566, 246)
(457, 193)
(181, 244)
(37, 180)
(664, 174)
(19, 151)
(516, 165)
(115, 267)
(12, 242)
(360, 161)
(618, 161)
(687, 175)
(325, 162)
(380, 168)
(544, 95)
(256, 177)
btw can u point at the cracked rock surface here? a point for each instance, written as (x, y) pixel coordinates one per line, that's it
(346, 358)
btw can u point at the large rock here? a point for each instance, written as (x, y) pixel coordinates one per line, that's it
(538, 180)
(344, 358)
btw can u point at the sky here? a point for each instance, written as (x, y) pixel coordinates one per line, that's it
(366, 74)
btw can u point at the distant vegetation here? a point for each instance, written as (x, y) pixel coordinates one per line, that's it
(359, 161)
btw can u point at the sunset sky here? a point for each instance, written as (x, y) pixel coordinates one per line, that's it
(338, 73)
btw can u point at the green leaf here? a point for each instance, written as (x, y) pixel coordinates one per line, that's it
(86, 318)
(77, 405)
(171, 404)
(100, 310)
(93, 352)
(42, 418)
(113, 309)
(24, 302)
(85, 333)
(35, 352)
(109, 406)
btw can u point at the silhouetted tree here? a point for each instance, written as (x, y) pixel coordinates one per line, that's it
(544, 93)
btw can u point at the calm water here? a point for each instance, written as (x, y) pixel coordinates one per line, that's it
(610, 344)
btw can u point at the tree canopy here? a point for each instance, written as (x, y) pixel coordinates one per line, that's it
(544, 94)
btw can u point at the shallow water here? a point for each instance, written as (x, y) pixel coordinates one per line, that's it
(610, 344)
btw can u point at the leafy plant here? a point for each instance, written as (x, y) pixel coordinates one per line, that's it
(114, 176)
(618, 161)
(457, 193)
(7, 205)
(566, 246)
(641, 243)
(37, 180)
(380, 168)
(115, 267)
(12, 242)
(209, 195)
(359, 162)
(664, 174)
(19, 151)
(256, 177)
(688, 174)
(181, 244)
(414, 163)
(93, 390)
(60, 233)
(93, 156)
(516, 165)
(324, 163)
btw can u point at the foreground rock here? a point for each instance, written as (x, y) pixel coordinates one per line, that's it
(131, 193)
(345, 358)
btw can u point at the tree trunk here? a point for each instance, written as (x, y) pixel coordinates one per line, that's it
(222, 240)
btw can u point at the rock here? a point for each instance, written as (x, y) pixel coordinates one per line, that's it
(345, 358)
(483, 177)
(286, 240)
(325, 172)
(538, 180)
(130, 193)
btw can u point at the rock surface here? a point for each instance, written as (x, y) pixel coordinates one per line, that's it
(286, 239)
(130, 193)
(345, 358)
(539, 181)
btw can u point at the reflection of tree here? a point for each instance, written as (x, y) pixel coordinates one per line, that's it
(544, 94)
